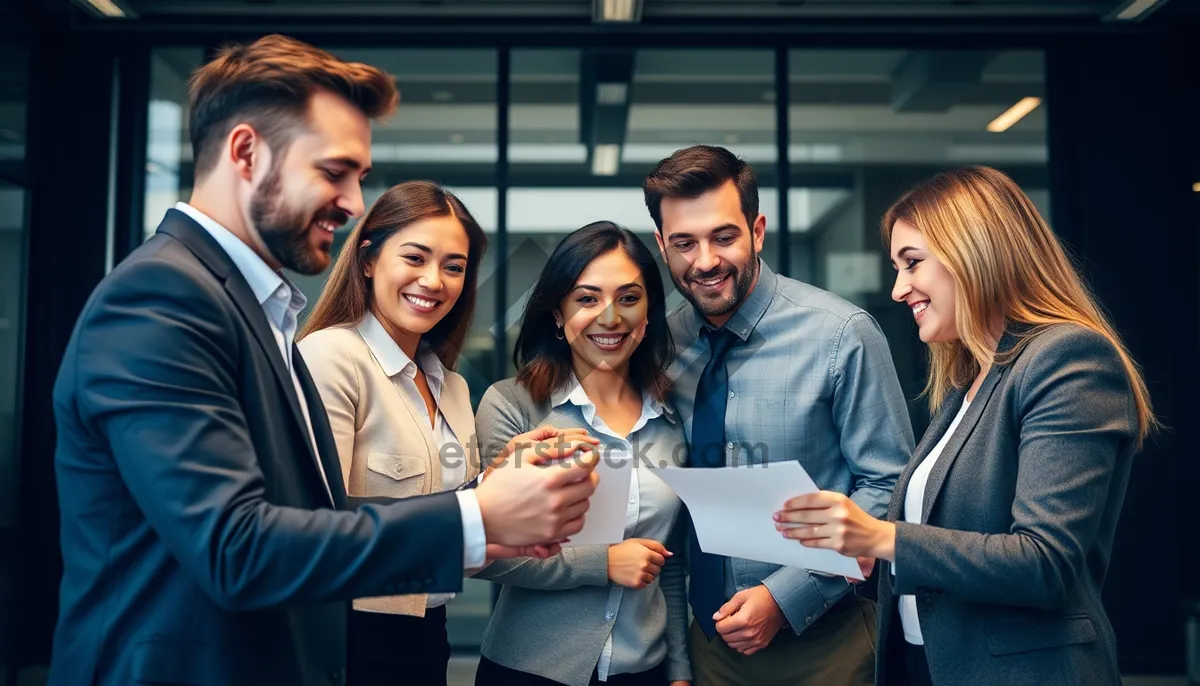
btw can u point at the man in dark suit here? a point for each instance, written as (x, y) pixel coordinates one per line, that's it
(206, 533)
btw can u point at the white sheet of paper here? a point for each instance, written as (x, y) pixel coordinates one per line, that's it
(604, 523)
(732, 509)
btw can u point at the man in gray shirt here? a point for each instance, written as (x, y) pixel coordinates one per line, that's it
(771, 369)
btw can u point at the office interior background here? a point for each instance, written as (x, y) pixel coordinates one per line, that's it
(544, 115)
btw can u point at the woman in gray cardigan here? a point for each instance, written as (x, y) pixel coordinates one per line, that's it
(592, 354)
(1001, 528)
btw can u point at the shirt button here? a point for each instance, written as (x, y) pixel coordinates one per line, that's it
(609, 615)
(731, 394)
(729, 445)
(633, 501)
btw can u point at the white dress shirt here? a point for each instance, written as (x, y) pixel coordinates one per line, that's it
(914, 502)
(282, 303)
(649, 500)
(402, 370)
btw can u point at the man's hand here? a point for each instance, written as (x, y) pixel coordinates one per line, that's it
(538, 499)
(749, 620)
(548, 435)
(636, 563)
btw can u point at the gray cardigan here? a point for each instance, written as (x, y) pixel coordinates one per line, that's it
(553, 616)
(1018, 521)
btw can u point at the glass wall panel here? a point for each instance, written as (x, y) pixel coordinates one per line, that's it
(864, 125)
(168, 146)
(14, 97)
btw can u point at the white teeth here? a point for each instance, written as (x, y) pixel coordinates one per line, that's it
(920, 307)
(607, 340)
(710, 282)
(421, 302)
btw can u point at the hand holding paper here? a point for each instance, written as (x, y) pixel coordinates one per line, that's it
(833, 521)
(733, 510)
(605, 521)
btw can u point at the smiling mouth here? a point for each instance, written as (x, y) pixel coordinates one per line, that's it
(919, 308)
(422, 304)
(608, 341)
(710, 283)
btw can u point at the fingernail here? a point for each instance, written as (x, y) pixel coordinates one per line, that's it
(778, 516)
(717, 616)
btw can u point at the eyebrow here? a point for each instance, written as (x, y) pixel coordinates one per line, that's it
(723, 227)
(345, 161)
(596, 289)
(902, 251)
(427, 249)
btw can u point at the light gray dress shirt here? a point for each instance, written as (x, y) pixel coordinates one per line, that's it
(811, 380)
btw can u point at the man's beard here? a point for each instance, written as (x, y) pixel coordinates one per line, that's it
(285, 231)
(743, 281)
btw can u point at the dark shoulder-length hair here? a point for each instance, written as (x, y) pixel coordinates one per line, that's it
(544, 360)
(347, 295)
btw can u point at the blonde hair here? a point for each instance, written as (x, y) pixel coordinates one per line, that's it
(1007, 265)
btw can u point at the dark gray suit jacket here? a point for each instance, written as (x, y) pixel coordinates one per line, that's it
(1018, 521)
(200, 545)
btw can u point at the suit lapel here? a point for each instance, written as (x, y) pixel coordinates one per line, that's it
(937, 427)
(326, 446)
(937, 477)
(181, 227)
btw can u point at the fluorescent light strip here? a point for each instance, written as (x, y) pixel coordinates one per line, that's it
(606, 159)
(1136, 9)
(618, 10)
(107, 7)
(1014, 114)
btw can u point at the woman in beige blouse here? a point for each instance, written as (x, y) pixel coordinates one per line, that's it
(381, 345)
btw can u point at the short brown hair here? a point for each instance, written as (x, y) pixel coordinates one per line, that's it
(692, 172)
(346, 297)
(268, 84)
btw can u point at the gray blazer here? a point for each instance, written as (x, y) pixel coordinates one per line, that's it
(1018, 521)
(553, 616)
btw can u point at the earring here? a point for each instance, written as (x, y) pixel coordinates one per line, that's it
(559, 334)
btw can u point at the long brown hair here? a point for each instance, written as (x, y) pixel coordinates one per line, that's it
(1006, 263)
(347, 295)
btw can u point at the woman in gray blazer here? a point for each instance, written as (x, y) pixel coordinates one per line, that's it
(1000, 530)
(592, 352)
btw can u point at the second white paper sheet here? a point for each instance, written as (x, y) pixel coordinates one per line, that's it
(732, 509)
(604, 523)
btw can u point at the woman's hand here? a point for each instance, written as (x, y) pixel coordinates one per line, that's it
(543, 434)
(832, 520)
(635, 563)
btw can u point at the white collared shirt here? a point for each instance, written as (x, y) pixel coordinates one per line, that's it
(627, 607)
(281, 301)
(402, 370)
(914, 504)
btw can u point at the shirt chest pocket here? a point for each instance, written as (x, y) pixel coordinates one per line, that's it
(395, 476)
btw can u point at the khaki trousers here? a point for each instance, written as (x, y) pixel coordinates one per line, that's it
(837, 650)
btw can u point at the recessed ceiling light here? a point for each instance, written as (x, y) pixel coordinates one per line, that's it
(1014, 114)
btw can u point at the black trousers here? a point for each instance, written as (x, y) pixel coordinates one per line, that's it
(386, 649)
(492, 674)
(905, 663)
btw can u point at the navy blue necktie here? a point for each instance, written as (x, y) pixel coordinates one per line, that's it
(706, 589)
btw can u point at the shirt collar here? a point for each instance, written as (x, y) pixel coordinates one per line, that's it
(750, 312)
(573, 393)
(263, 280)
(393, 359)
